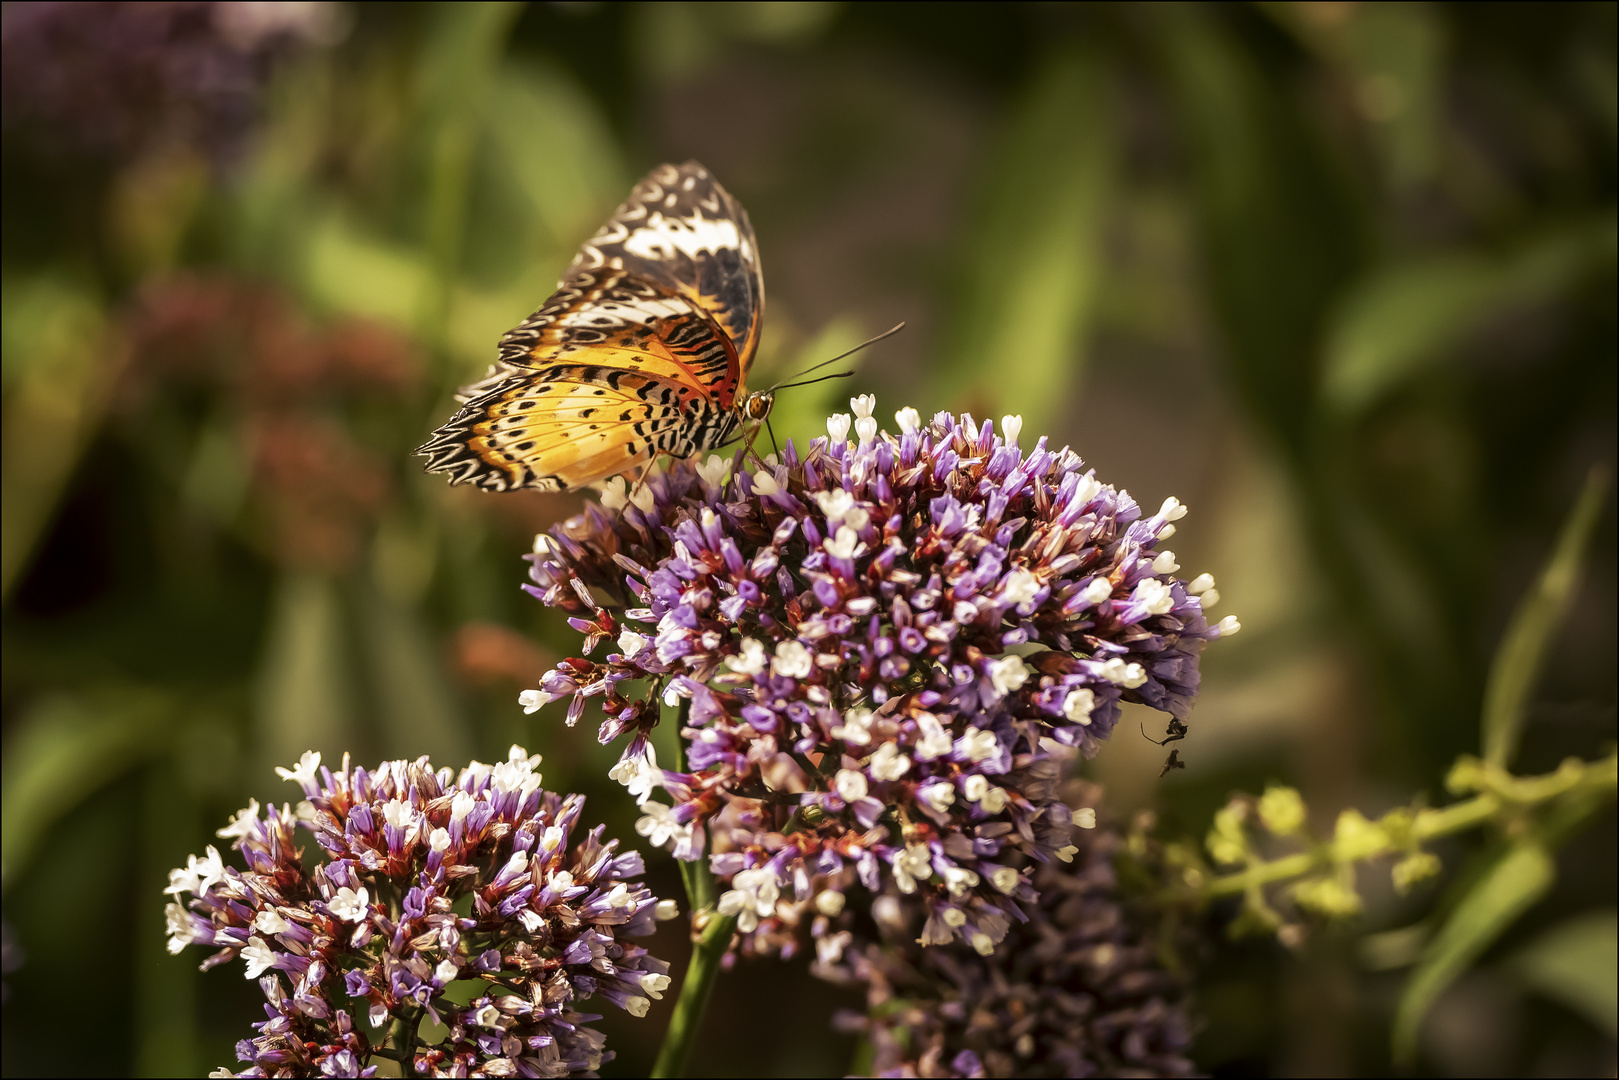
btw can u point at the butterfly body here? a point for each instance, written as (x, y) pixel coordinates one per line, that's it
(643, 350)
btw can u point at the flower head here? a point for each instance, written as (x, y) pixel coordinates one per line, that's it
(1074, 991)
(886, 648)
(428, 878)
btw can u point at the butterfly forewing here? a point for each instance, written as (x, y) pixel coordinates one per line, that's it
(614, 318)
(642, 350)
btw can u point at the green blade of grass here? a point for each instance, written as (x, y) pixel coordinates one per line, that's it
(1522, 653)
(1036, 259)
(1505, 891)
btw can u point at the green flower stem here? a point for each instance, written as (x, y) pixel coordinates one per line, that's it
(1503, 795)
(713, 937)
(707, 952)
(402, 1040)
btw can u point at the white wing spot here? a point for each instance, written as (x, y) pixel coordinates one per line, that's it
(661, 237)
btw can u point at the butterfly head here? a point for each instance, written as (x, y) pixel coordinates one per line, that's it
(757, 406)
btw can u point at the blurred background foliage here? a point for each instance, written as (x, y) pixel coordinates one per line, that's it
(1341, 276)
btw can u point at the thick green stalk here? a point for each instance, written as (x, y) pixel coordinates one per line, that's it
(713, 936)
(402, 1041)
(707, 952)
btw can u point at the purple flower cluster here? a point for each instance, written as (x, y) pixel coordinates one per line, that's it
(429, 878)
(1074, 991)
(885, 649)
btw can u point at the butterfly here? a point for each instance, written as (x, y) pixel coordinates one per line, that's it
(643, 350)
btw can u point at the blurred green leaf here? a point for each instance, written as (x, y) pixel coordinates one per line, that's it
(64, 750)
(272, 203)
(559, 151)
(413, 700)
(1522, 653)
(165, 986)
(1393, 949)
(304, 694)
(1403, 319)
(1280, 235)
(1392, 57)
(1036, 257)
(217, 480)
(1519, 878)
(546, 178)
(1575, 963)
(675, 39)
(459, 68)
(347, 270)
(58, 373)
(800, 413)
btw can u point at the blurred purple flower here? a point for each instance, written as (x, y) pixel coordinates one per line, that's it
(889, 648)
(109, 80)
(429, 878)
(1074, 991)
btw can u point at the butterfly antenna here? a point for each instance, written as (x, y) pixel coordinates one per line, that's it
(812, 382)
(840, 356)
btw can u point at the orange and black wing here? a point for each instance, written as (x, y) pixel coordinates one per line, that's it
(562, 427)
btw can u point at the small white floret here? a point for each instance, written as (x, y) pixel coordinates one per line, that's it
(851, 785)
(1008, 674)
(302, 773)
(888, 763)
(842, 545)
(614, 494)
(1021, 586)
(793, 660)
(1078, 706)
(750, 661)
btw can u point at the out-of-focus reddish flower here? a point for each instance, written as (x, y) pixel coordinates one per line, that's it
(321, 487)
(248, 337)
(487, 653)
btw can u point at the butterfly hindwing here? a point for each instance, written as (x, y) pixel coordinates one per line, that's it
(562, 427)
(643, 349)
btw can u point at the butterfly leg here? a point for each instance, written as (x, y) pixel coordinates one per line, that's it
(646, 473)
